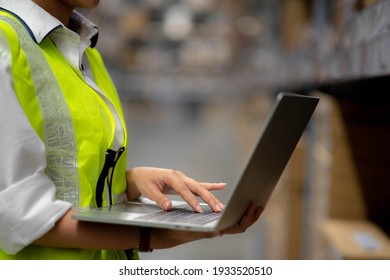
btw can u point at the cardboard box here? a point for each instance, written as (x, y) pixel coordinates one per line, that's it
(295, 22)
(332, 186)
(355, 240)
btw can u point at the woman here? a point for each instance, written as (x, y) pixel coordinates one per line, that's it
(63, 141)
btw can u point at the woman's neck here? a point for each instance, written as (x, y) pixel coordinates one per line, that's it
(57, 8)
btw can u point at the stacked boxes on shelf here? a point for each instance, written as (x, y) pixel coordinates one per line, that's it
(336, 220)
(361, 47)
(332, 188)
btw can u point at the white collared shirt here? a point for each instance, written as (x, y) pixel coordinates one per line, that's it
(28, 208)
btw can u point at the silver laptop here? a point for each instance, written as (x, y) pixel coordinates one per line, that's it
(282, 130)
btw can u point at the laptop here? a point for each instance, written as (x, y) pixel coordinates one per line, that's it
(283, 127)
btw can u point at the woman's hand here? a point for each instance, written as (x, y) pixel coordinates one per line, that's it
(162, 238)
(155, 183)
(251, 215)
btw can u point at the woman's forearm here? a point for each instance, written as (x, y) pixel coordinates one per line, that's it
(70, 233)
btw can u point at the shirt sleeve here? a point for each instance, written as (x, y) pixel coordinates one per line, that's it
(28, 207)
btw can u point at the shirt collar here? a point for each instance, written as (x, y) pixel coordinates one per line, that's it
(40, 23)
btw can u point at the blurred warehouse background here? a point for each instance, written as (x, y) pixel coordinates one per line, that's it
(197, 77)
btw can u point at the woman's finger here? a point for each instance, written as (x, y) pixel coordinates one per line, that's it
(174, 179)
(203, 192)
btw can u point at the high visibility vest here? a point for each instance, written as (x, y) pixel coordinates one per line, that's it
(76, 124)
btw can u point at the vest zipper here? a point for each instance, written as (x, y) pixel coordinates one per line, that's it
(106, 175)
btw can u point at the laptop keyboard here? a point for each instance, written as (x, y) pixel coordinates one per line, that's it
(185, 215)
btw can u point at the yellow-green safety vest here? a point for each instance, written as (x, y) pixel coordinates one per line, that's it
(76, 125)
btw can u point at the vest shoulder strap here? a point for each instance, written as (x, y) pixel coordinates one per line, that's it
(58, 130)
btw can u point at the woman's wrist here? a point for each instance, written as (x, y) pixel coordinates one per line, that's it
(132, 191)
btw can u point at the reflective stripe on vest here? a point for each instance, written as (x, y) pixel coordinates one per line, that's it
(58, 131)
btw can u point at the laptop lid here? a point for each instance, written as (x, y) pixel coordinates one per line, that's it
(281, 132)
